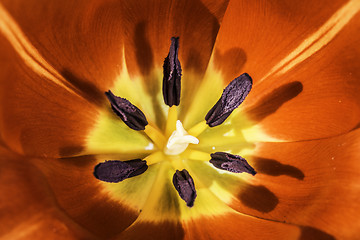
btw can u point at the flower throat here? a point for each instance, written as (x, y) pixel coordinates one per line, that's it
(114, 171)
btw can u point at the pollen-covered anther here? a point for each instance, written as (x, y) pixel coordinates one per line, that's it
(132, 116)
(172, 75)
(231, 163)
(185, 186)
(117, 171)
(233, 95)
(179, 140)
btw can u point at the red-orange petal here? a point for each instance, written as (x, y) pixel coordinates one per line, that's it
(83, 198)
(311, 183)
(313, 94)
(84, 52)
(255, 36)
(87, 47)
(238, 226)
(28, 207)
(148, 27)
(82, 40)
(40, 117)
(318, 97)
(149, 230)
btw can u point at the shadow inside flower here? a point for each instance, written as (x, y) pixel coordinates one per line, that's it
(231, 62)
(91, 160)
(274, 100)
(145, 60)
(310, 233)
(274, 168)
(356, 127)
(67, 151)
(195, 61)
(258, 197)
(81, 196)
(87, 161)
(143, 51)
(169, 199)
(163, 230)
(85, 88)
(195, 44)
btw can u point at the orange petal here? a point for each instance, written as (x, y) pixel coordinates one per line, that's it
(28, 207)
(150, 230)
(150, 25)
(82, 54)
(305, 66)
(255, 36)
(85, 48)
(83, 198)
(148, 28)
(306, 183)
(238, 226)
(318, 97)
(39, 116)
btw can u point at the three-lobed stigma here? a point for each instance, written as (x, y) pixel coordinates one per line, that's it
(179, 140)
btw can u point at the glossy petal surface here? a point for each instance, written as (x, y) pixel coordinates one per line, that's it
(306, 52)
(298, 127)
(28, 207)
(38, 116)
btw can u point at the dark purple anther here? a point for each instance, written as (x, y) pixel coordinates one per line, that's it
(130, 114)
(184, 184)
(231, 163)
(233, 95)
(117, 171)
(172, 75)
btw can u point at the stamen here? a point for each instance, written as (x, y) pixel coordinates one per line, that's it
(172, 75)
(231, 163)
(233, 95)
(198, 129)
(196, 155)
(155, 157)
(117, 171)
(171, 121)
(179, 140)
(132, 116)
(155, 135)
(185, 186)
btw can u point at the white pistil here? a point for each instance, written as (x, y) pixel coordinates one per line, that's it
(179, 140)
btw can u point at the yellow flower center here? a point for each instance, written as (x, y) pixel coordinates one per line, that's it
(166, 147)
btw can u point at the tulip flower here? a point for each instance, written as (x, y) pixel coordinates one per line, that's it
(191, 119)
